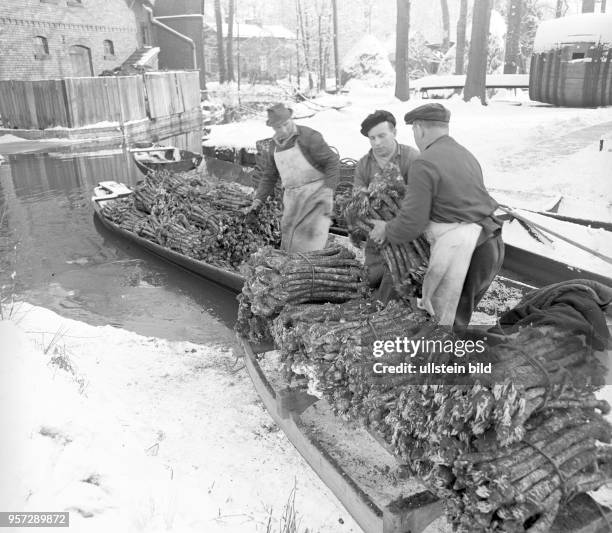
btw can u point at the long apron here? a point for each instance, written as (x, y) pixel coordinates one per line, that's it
(452, 246)
(307, 202)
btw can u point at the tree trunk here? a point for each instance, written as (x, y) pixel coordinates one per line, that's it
(475, 83)
(230, 41)
(305, 42)
(402, 85)
(336, 51)
(445, 26)
(220, 54)
(461, 30)
(321, 61)
(588, 6)
(559, 9)
(603, 6)
(203, 65)
(513, 37)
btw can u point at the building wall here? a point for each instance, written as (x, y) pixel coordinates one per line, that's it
(65, 23)
(174, 52)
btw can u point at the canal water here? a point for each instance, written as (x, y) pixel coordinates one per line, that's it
(55, 254)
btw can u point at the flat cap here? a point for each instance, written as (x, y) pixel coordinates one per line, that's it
(374, 119)
(428, 112)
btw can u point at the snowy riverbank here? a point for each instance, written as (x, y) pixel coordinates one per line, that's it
(133, 433)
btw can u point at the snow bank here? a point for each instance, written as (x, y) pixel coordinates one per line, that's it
(368, 61)
(9, 138)
(132, 433)
(588, 27)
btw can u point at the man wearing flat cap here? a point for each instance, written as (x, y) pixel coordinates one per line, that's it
(308, 169)
(446, 200)
(387, 161)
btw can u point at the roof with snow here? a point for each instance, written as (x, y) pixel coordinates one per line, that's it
(588, 27)
(248, 31)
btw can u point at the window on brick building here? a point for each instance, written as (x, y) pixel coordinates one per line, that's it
(109, 49)
(41, 47)
(263, 63)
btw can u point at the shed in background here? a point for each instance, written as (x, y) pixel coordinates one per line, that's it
(571, 64)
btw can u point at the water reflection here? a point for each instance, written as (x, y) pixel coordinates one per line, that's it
(65, 261)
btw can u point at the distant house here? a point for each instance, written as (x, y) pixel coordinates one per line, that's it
(264, 52)
(42, 39)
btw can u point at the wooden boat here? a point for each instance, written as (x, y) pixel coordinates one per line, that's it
(107, 191)
(165, 158)
(519, 264)
(338, 453)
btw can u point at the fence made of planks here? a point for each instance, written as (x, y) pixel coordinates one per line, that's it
(556, 78)
(79, 102)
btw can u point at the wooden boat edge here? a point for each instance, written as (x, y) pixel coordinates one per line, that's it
(218, 275)
(413, 514)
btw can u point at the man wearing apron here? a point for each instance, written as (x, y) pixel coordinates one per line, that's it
(308, 170)
(387, 161)
(446, 200)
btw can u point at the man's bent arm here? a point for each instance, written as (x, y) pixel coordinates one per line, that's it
(269, 177)
(415, 210)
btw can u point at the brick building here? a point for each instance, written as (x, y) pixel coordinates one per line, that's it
(264, 52)
(63, 38)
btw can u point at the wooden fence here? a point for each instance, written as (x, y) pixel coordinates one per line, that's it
(78, 102)
(556, 79)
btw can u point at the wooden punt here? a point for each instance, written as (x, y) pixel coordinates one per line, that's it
(164, 158)
(337, 453)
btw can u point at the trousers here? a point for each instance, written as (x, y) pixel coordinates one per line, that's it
(486, 263)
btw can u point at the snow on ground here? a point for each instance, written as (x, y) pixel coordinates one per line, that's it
(133, 433)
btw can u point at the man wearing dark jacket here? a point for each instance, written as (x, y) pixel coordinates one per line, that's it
(308, 170)
(387, 162)
(447, 201)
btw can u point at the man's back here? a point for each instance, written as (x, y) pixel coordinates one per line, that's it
(458, 190)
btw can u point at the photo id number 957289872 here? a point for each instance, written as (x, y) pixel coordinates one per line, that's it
(34, 519)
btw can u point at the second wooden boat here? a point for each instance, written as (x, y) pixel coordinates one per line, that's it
(165, 158)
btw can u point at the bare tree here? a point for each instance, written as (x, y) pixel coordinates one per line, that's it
(512, 57)
(561, 9)
(336, 52)
(445, 26)
(402, 85)
(230, 41)
(220, 54)
(475, 83)
(203, 65)
(303, 28)
(588, 6)
(461, 30)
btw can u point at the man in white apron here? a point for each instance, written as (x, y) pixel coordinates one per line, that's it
(308, 170)
(446, 200)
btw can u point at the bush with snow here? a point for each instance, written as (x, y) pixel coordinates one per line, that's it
(368, 61)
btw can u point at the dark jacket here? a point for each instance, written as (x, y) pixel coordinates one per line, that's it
(316, 151)
(368, 166)
(445, 185)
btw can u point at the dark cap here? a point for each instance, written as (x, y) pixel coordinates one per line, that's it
(428, 112)
(278, 114)
(380, 115)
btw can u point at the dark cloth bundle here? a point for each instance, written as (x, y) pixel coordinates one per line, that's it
(577, 305)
